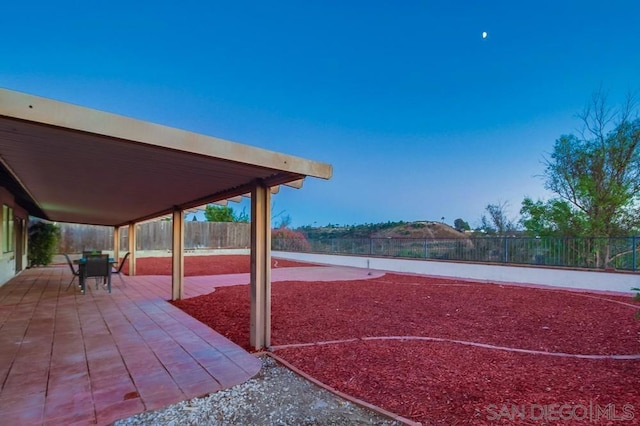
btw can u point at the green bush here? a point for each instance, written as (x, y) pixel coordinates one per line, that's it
(43, 241)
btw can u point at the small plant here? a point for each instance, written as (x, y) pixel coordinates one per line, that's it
(43, 241)
(637, 299)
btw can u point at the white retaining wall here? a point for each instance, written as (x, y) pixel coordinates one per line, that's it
(575, 279)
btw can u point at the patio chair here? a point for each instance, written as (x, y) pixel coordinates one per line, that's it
(118, 269)
(98, 266)
(74, 271)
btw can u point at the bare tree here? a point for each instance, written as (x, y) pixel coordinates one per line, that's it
(498, 221)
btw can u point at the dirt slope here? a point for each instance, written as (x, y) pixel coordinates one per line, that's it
(423, 229)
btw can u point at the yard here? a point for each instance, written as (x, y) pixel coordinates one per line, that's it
(444, 351)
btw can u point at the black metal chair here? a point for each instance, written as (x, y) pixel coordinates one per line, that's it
(118, 269)
(74, 271)
(97, 267)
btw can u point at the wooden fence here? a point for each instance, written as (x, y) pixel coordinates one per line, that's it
(155, 236)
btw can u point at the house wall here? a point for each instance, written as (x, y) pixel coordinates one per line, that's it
(21, 236)
(13, 257)
(554, 277)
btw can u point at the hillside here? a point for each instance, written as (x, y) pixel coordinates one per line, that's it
(422, 229)
(419, 229)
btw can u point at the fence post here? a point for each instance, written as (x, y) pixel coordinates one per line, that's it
(506, 250)
(370, 246)
(633, 250)
(426, 249)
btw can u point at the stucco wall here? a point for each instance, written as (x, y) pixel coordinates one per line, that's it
(8, 260)
(7, 268)
(587, 280)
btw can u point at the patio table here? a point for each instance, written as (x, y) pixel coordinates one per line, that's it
(82, 262)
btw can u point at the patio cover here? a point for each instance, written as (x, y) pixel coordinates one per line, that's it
(68, 163)
(79, 165)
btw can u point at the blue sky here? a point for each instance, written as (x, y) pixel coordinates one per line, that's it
(420, 116)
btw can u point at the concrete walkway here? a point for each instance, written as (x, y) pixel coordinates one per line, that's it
(69, 359)
(303, 273)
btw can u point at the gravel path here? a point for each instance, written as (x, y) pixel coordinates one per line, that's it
(275, 396)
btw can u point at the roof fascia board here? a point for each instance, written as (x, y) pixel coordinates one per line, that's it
(54, 113)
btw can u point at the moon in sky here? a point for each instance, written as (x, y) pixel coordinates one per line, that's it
(484, 34)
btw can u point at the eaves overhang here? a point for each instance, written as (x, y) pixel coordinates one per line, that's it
(68, 163)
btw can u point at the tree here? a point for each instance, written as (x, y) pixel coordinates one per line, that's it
(280, 219)
(460, 225)
(598, 172)
(497, 222)
(555, 218)
(284, 222)
(242, 217)
(215, 213)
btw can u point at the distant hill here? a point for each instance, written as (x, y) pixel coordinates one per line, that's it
(422, 229)
(419, 229)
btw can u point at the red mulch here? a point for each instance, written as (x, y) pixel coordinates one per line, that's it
(440, 382)
(446, 383)
(195, 266)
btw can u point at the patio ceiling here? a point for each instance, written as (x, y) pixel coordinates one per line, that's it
(72, 164)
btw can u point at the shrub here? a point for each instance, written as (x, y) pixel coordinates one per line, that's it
(43, 241)
(288, 240)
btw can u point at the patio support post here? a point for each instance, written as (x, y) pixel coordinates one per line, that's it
(177, 268)
(260, 284)
(116, 243)
(132, 249)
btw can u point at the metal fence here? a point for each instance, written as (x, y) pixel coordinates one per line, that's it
(590, 253)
